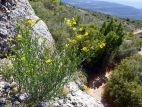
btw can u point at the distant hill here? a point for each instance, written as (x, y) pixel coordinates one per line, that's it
(108, 7)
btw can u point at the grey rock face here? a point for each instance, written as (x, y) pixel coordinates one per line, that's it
(14, 10)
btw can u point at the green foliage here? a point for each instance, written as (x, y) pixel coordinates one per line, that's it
(124, 87)
(112, 35)
(38, 72)
(86, 38)
(5, 65)
(130, 46)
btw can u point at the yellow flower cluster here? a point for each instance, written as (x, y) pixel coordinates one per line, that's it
(66, 45)
(18, 37)
(73, 41)
(74, 28)
(85, 49)
(80, 29)
(30, 21)
(102, 45)
(71, 22)
(78, 36)
(88, 48)
(49, 61)
(86, 34)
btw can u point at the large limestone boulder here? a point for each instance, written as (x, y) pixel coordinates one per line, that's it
(13, 10)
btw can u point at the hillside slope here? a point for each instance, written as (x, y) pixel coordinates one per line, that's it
(54, 17)
(108, 7)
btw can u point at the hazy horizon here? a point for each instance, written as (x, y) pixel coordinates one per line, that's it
(134, 3)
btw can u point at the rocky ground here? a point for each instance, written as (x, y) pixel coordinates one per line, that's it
(78, 98)
(75, 97)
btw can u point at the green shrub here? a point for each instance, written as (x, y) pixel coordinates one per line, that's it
(124, 87)
(130, 46)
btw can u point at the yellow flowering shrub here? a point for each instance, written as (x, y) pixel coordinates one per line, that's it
(93, 42)
(38, 72)
(83, 39)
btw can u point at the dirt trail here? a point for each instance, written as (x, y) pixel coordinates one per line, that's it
(99, 92)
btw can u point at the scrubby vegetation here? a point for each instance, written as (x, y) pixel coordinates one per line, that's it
(41, 74)
(124, 87)
(82, 40)
(54, 17)
(131, 45)
(109, 35)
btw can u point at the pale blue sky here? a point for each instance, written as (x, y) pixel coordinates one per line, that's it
(134, 3)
